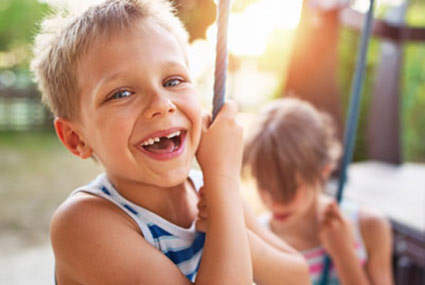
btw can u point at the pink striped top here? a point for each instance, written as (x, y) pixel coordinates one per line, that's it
(316, 256)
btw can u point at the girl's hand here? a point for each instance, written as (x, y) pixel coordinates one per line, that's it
(220, 149)
(336, 234)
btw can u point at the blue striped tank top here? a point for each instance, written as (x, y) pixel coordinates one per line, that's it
(182, 246)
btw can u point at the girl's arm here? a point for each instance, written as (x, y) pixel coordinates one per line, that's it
(376, 232)
(336, 236)
(226, 256)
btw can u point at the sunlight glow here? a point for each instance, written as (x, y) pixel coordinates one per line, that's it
(363, 5)
(250, 31)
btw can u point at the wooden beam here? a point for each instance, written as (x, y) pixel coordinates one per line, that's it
(381, 28)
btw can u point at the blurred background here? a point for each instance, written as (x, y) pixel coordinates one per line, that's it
(277, 48)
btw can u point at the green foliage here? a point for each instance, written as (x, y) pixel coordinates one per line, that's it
(18, 25)
(415, 14)
(17, 22)
(348, 49)
(412, 94)
(413, 102)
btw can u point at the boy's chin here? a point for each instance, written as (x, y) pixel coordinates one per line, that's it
(172, 179)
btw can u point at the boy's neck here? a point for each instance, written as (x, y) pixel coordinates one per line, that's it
(175, 204)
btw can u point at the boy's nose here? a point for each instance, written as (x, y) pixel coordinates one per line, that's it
(159, 106)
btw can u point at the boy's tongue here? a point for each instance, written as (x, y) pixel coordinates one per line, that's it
(165, 145)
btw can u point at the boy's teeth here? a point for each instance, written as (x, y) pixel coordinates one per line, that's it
(157, 139)
(173, 134)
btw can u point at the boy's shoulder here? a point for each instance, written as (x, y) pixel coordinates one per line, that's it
(95, 242)
(85, 228)
(85, 208)
(85, 216)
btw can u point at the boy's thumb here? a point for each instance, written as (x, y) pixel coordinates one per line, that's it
(206, 121)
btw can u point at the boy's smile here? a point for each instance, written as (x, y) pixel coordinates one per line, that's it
(139, 110)
(164, 145)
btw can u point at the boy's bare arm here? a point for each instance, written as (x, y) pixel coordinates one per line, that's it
(274, 261)
(96, 243)
(226, 256)
(273, 266)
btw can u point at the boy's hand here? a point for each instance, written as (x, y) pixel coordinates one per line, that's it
(336, 234)
(220, 149)
(201, 221)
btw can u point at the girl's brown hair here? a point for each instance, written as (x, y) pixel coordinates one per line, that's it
(291, 142)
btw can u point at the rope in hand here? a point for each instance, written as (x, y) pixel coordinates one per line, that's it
(353, 118)
(223, 10)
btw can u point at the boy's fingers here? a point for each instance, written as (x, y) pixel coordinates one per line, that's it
(231, 106)
(229, 109)
(206, 121)
(202, 204)
(202, 214)
(201, 191)
(201, 225)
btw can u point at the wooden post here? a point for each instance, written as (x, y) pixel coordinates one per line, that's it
(383, 134)
(312, 73)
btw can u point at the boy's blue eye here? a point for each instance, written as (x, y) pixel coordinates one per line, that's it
(121, 94)
(173, 82)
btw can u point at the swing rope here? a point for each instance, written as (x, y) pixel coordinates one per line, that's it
(353, 117)
(223, 10)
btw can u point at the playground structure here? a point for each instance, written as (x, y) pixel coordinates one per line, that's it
(383, 181)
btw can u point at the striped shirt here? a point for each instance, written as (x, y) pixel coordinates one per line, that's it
(182, 246)
(316, 256)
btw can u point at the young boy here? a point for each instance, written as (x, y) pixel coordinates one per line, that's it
(116, 78)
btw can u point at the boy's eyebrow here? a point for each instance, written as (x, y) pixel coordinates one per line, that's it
(166, 65)
(111, 77)
(169, 64)
(108, 78)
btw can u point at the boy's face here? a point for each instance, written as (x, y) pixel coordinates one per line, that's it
(140, 113)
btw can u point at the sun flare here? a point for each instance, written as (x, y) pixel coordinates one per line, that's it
(250, 31)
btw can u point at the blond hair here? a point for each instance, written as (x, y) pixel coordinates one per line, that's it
(65, 38)
(291, 141)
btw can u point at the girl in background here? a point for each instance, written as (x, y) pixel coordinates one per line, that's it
(291, 154)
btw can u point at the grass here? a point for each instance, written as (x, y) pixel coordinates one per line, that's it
(36, 175)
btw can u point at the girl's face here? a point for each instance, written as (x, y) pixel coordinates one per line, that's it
(287, 213)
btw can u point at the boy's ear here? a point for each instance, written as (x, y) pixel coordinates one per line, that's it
(71, 138)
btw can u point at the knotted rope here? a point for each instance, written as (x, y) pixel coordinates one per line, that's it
(223, 10)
